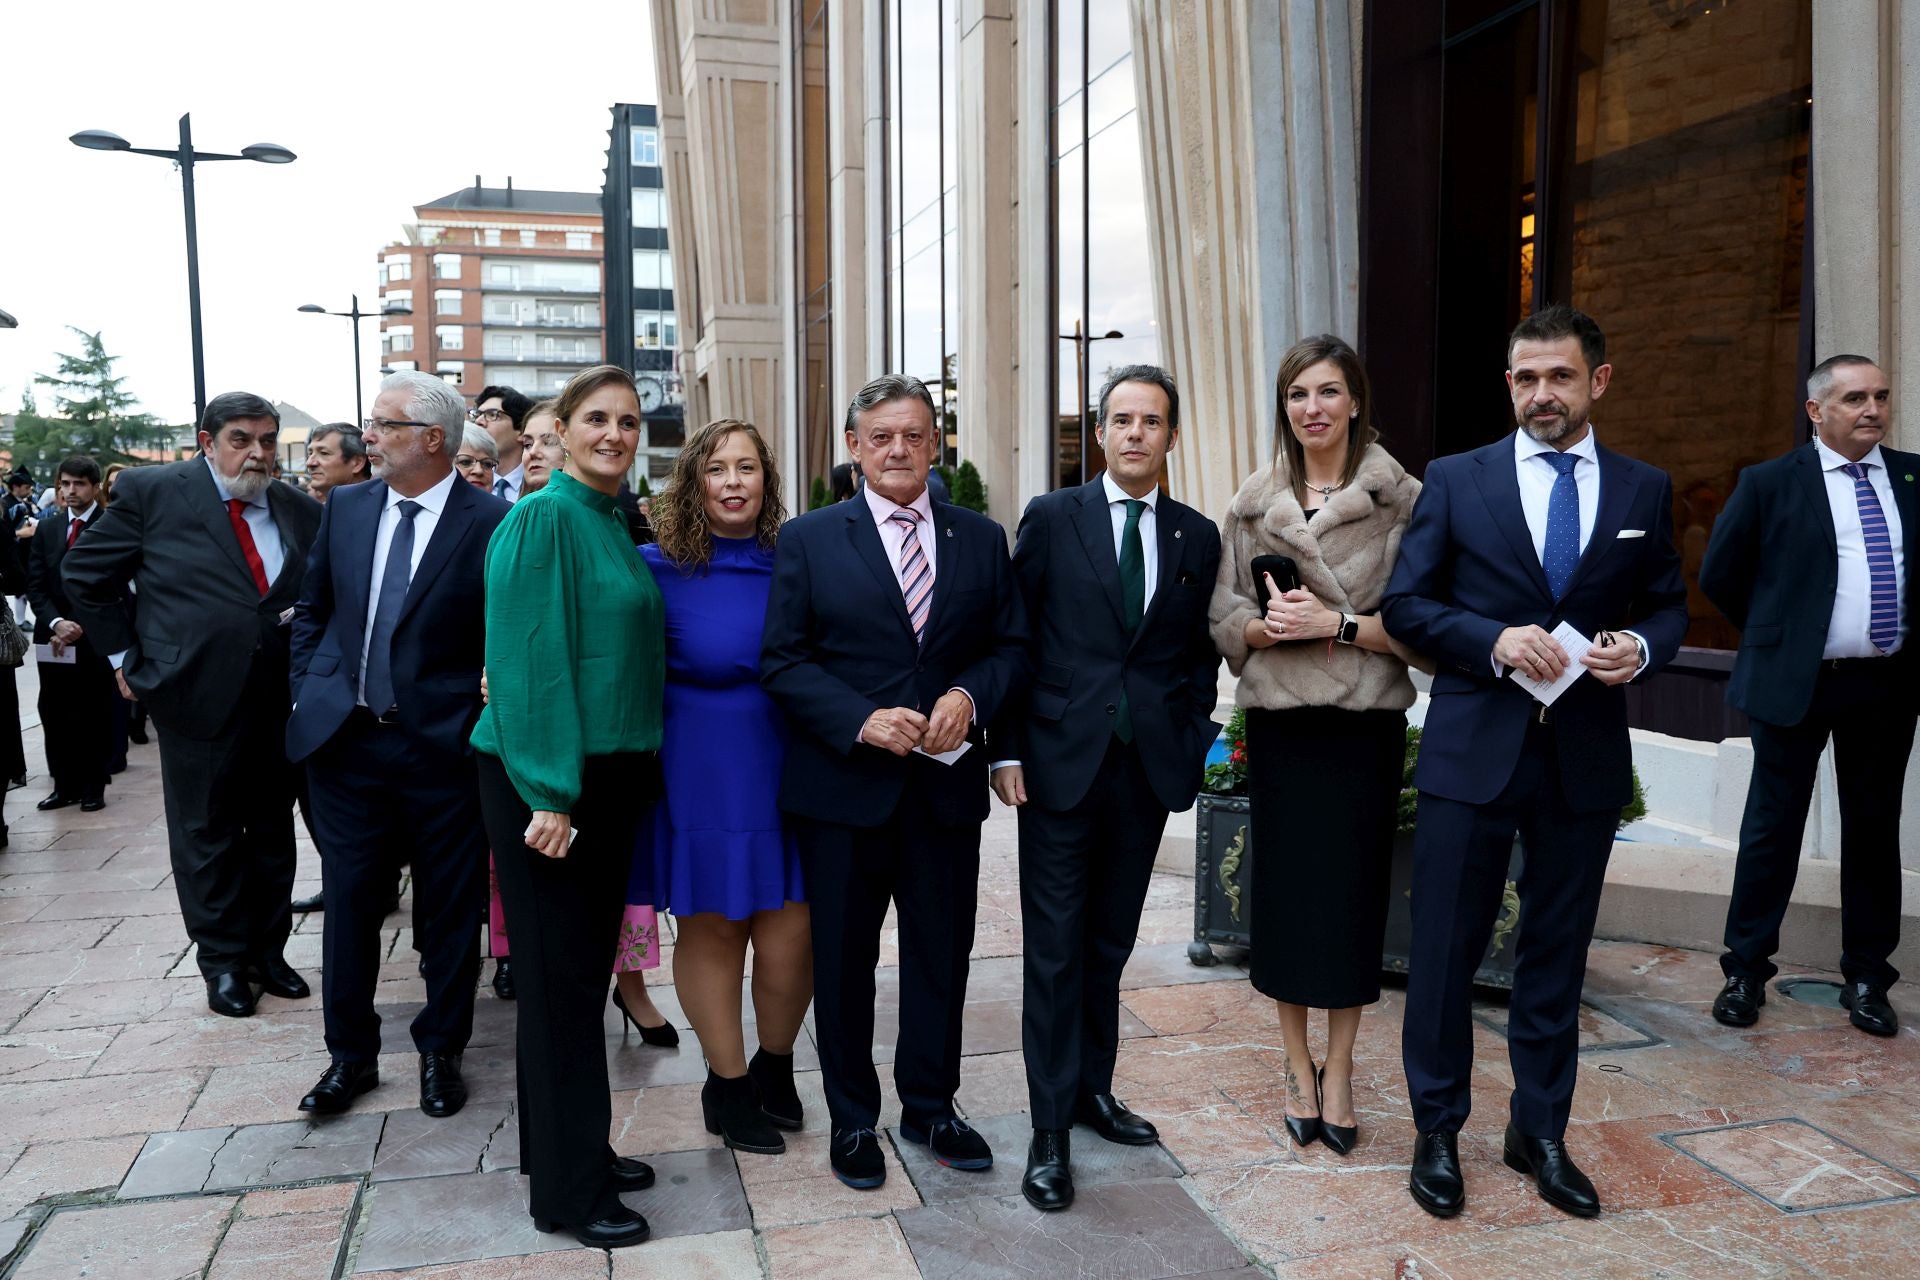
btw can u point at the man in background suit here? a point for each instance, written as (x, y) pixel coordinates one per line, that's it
(76, 698)
(1507, 542)
(893, 624)
(1111, 737)
(1812, 559)
(387, 651)
(189, 581)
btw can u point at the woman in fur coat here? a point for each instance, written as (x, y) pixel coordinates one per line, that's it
(1325, 692)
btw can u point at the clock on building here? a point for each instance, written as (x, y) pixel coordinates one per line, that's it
(652, 394)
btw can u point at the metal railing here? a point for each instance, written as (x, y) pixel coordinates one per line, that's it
(539, 322)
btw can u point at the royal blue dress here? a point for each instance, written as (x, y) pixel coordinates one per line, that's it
(716, 841)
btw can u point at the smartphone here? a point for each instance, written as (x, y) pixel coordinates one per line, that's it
(1285, 573)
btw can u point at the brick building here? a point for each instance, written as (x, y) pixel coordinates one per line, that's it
(504, 286)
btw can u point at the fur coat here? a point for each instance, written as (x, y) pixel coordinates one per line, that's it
(1345, 554)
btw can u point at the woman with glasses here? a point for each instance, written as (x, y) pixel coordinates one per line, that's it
(477, 459)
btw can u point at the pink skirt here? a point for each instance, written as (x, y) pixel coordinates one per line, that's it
(639, 946)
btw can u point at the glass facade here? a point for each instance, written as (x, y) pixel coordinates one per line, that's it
(1103, 283)
(819, 443)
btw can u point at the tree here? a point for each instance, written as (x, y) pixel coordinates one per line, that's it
(93, 413)
(967, 489)
(820, 496)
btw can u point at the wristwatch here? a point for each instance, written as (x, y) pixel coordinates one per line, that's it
(1349, 629)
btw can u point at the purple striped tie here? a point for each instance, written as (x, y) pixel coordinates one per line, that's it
(1883, 627)
(916, 575)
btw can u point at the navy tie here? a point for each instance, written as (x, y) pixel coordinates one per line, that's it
(1562, 551)
(500, 488)
(378, 685)
(1883, 619)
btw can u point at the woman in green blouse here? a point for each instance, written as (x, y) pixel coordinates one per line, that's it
(567, 743)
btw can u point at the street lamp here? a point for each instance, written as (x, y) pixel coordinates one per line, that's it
(186, 157)
(1081, 342)
(357, 315)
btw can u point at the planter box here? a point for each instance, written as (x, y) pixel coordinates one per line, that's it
(1223, 890)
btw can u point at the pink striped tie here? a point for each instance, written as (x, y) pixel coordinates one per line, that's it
(916, 575)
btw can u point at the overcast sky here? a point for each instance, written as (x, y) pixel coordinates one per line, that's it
(386, 105)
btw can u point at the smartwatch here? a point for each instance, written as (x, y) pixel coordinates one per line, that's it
(1349, 629)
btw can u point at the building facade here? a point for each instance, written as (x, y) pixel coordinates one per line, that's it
(643, 327)
(504, 287)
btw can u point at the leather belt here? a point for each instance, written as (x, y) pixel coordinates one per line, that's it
(391, 720)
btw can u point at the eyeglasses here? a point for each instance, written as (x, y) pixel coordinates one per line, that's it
(388, 424)
(465, 463)
(487, 415)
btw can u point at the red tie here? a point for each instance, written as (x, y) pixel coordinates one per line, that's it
(236, 510)
(74, 525)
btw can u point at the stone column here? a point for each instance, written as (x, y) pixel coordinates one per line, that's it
(676, 164)
(1250, 155)
(851, 112)
(1033, 308)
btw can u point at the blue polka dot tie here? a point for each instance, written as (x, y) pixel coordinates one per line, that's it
(1562, 551)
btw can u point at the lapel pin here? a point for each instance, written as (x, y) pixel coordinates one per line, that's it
(1909, 477)
(950, 527)
(1176, 533)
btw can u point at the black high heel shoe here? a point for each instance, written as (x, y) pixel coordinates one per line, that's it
(1340, 1137)
(660, 1037)
(1304, 1129)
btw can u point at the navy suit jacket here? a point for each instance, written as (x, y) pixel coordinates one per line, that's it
(1467, 571)
(439, 645)
(1772, 567)
(838, 646)
(1083, 655)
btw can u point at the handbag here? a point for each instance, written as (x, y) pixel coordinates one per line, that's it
(13, 641)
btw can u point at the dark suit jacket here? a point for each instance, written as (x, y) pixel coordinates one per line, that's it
(45, 592)
(1467, 571)
(197, 629)
(1772, 567)
(1082, 654)
(13, 574)
(439, 644)
(838, 646)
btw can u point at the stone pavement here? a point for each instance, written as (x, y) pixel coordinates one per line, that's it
(141, 1136)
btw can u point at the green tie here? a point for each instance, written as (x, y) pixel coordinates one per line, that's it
(1133, 596)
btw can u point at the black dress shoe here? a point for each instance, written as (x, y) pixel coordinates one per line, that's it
(1435, 1178)
(277, 977)
(1337, 1137)
(856, 1158)
(617, 1230)
(442, 1091)
(1546, 1161)
(731, 1109)
(93, 804)
(1107, 1116)
(1738, 1004)
(339, 1085)
(1048, 1184)
(629, 1174)
(137, 734)
(953, 1143)
(772, 1075)
(300, 906)
(503, 978)
(229, 995)
(661, 1037)
(56, 800)
(1869, 1009)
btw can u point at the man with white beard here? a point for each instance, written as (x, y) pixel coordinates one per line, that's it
(213, 552)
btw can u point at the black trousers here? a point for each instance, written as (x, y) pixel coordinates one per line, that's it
(931, 873)
(76, 719)
(1460, 858)
(1084, 874)
(229, 804)
(13, 753)
(1860, 705)
(379, 797)
(564, 916)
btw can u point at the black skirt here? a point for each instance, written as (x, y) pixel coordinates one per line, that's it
(1324, 785)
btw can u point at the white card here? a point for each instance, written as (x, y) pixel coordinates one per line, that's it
(947, 757)
(44, 653)
(1547, 691)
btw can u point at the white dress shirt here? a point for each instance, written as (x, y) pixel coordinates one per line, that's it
(259, 518)
(893, 537)
(432, 503)
(1853, 596)
(1117, 499)
(84, 517)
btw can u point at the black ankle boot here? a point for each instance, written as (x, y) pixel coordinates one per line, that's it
(772, 1074)
(732, 1110)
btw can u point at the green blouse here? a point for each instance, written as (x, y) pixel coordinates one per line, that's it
(575, 652)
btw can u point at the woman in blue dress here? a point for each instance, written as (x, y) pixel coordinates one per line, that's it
(717, 854)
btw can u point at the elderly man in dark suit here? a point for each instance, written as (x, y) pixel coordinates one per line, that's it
(893, 632)
(387, 650)
(189, 582)
(76, 696)
(1506, 543)
(1110, 739)
(1813, 560)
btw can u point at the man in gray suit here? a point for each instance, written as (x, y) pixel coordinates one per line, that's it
(189, 582)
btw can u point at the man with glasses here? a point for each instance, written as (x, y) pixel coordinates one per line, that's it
(501, 410)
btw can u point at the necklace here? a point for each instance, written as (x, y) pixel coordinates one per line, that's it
(1325, 491)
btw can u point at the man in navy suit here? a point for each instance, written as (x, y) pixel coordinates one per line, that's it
(387, 651)
(1110, 739)
(1506, 543)
(1812, 560)
(894, 631)
(76, 697)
